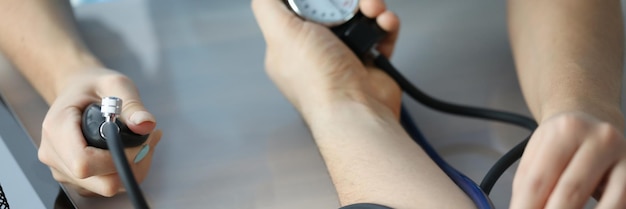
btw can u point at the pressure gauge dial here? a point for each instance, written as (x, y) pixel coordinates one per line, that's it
(325, 12)
(358, 32)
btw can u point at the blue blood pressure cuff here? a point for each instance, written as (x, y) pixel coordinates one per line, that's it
(365, 206)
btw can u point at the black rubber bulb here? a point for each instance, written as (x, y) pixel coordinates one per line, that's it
(91, 122)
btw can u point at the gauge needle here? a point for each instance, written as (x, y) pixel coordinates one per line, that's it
(337, 5)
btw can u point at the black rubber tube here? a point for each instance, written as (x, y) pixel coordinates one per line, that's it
(114, 142)
(506, 160)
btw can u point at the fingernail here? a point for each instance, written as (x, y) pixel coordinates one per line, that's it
(140, 117)
(142, 153)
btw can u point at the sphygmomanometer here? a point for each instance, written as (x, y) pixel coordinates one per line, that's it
(361, 34)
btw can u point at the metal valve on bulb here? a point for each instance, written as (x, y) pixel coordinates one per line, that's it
(110, 107)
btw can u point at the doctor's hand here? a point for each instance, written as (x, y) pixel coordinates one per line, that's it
(313, 68)
(63, 148)
(570, 157)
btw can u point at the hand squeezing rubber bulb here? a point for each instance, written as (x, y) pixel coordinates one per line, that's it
(93, 119)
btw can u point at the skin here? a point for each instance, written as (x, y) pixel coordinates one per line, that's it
(349, 108)
(40, 39)
(569, 66)
(569, 57)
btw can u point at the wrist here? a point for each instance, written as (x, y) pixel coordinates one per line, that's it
(50, 68)
(343, 105)
(70, 66)
(70, 74)
(609, 112)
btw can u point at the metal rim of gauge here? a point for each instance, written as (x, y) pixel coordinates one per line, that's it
(346, 10)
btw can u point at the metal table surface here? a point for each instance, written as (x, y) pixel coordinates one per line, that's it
(25, 181)
(230, 138)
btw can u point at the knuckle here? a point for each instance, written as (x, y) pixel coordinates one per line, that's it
(566, 123)
(529, 182)
(111, 189)
(536, 182)
(44, 153)
(114, 78)
(269, 61)
(79, 169)
(58, 177)
(272, 58)
(44, 157)
(46, 125)
(131, 104)
(608, 135)
(572, 191)
(108, 192)
(254, 4)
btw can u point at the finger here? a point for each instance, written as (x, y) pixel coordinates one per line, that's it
(46, 153)
(597, 193)
(583, 173)
(534, 182)
(389, 22)
(372, 8)
(134, 114)
(142, 168)
(70, 183)
(136, 154)
(80, 160)
(110, 184)
(529, 153)
(108, 165)
(274, 18)
(155, 138)
(106, 185)
(615, 194)
(60, 176)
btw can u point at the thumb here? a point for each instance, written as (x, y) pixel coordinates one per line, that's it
(134, 114)
(275, 19)
(137, 117)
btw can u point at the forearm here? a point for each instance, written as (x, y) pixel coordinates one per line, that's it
(569, 56)
(40, 38)
(371, 159)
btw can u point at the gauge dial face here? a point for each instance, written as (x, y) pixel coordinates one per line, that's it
(326, 12)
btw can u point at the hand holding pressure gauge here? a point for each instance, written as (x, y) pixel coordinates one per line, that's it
(327, 12)
(328, 71)
(360, 33)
